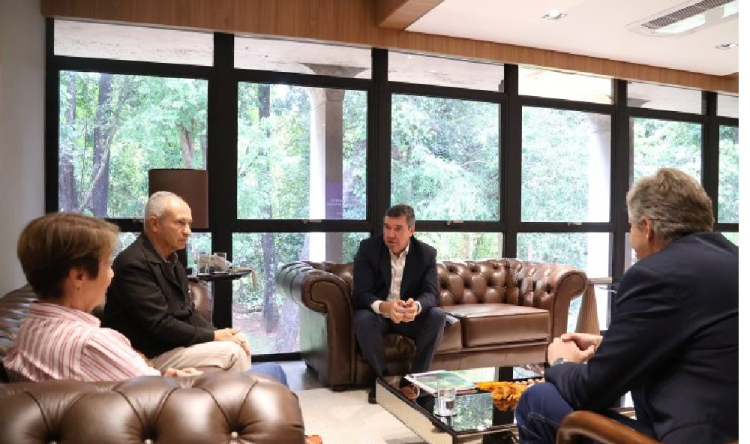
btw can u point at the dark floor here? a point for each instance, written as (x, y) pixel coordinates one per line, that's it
(298, 376)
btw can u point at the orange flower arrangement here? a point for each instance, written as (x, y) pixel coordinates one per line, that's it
(505, 394)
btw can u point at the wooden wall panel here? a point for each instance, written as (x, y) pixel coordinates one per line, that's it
(400, 14)
(354, 22)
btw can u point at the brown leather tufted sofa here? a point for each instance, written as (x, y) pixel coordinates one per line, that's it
(215, 407)
(507, 311)
(219, 407)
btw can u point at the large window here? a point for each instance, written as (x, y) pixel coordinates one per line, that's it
(308, 143)
(565, 166)
(301, 153)
(445, 157)
(114, 128)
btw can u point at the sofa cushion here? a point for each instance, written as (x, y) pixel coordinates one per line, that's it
(493, 324)
(451, 342)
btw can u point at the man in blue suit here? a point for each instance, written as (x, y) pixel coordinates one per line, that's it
(395, 291)
(673, 342)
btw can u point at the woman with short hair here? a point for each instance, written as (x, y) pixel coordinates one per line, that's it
(66, 259)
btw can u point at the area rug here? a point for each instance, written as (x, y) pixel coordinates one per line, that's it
(347, 418)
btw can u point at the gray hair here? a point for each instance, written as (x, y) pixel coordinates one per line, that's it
(675, 203)
(402, 210)
(157, 204)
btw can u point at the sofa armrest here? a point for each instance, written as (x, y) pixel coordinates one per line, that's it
(210, 408)
(552, 287)
(326, 338)
(593, 426)
(203, 298)
(315, 289)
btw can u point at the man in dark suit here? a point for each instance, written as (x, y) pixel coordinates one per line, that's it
(673, 341)
(395, 291)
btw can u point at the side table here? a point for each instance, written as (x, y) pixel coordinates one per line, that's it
(223, 319)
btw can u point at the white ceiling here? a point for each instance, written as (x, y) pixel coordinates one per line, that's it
(595, 28)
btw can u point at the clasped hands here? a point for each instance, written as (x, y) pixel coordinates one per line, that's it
(574, 347)
(400, 310)
(233, 335)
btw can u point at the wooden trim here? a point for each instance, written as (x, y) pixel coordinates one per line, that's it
(354, 22)
(400, 14)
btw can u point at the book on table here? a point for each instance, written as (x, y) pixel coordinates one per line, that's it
(428, 381)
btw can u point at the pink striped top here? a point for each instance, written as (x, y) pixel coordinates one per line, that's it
(56, 342)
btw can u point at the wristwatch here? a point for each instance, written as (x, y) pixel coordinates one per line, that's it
(558, 361)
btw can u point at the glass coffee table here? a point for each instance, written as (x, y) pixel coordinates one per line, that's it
(476, 420)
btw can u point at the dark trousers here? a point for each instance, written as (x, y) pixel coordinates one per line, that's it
(426, 330)
(541, 409)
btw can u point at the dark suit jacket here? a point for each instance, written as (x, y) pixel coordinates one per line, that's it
(150, 305)
(673, 342)
(372, 274)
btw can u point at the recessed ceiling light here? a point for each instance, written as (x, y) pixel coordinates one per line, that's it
(554, 14)
(727, 46)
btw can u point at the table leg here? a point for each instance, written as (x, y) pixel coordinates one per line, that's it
(588, 318)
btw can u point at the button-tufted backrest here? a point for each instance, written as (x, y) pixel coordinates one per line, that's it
(226, 407)
(507, 280)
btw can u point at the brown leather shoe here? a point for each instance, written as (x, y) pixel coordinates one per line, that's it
(313, 439)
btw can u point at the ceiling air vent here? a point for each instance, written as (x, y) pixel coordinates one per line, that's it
(687, 18)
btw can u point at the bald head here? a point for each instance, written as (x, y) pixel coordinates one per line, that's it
(167, 222)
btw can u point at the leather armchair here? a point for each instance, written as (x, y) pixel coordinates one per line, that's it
(585, 424)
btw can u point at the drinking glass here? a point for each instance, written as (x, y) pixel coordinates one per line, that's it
(222, 266)
(202, 262)
(446, 399)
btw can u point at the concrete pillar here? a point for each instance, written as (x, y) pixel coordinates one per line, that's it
(327, 161)
(600, 158)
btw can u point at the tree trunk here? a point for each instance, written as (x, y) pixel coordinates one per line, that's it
(103, 127)
(188, 148)
(268, 241)
(68, 190)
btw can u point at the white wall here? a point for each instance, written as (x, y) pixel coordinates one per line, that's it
(21, 129)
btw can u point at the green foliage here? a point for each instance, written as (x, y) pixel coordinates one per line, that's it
(662, 143)
(290, 247)
(274, 155)
(153, 119)
(463, 246)
(556, 162)
(445, 157)
(729, 174)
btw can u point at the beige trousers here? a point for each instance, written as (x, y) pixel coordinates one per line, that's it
(225, 355)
